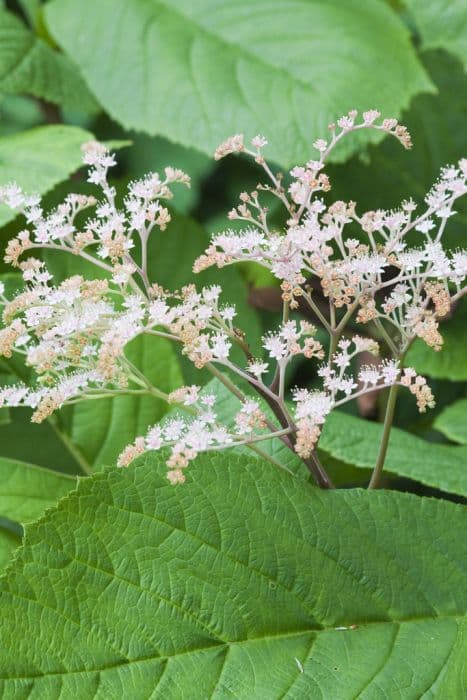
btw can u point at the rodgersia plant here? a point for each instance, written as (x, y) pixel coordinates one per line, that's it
(384, 270)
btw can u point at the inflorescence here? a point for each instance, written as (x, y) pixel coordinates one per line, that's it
(74, 333)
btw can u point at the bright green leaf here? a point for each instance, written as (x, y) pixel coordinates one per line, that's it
(40, 158)
(9, 541)
(198, 72)
(27, 490)
(452, 422)
(356, 441)
(442, 25)
(29, 65)
(242, 583)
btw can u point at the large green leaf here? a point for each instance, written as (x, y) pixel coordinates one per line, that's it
(452, 422)
(356, 441)
(39, 158)
(29, 65)
(101, 429)
(442, 24)
(27, 490)
(242, 583)
(197, 72)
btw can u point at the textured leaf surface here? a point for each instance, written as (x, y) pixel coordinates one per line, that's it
(101, 429)
(356, 441)
(197, 72)
(234, 585)
(39, 158)
(27, 490)
(442, 24)
(27, 64)
(452, 422)
(8, 543)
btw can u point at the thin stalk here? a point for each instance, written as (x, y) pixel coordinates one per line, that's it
(383, 447)
(71, 447)
(316, 311)
(386, 336)
(333, 340)
(319, 474)
(269, 458)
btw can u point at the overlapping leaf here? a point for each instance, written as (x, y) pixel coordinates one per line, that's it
(197, 72)
(27, 490)
(29, 65)
(39, 158)
(452, 422)
(134, 588)
(356, 441)
(442, 24)
(9, 541)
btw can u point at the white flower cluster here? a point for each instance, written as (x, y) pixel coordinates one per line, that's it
(340, 386)
(74, 334)
(187, 437)
(377, 274)
(110, 230)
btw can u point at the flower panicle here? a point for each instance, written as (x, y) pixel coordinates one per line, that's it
(387, 269)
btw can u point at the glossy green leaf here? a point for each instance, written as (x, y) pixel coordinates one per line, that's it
(40, 158)
(441, 24)
(101, 429)
(198, 72)
(29, 65)
(356, 441)
(452, 422)
(27, 490)
(242, 583)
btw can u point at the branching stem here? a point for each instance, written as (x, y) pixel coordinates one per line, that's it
(383, 447)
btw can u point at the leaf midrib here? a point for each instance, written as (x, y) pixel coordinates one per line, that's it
(228, 645)
(198, 29)
(237, 47)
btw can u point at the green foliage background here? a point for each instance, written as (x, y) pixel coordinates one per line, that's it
(245, 582)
